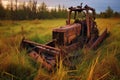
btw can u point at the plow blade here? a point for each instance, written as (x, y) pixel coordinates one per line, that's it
(43, 48)
(44, 54)
(99, 40)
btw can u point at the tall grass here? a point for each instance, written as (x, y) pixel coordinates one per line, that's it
(58, 73)
(102, 64)
(14, 65)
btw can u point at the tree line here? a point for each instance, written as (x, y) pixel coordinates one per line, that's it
(32, 11)
(109, 13)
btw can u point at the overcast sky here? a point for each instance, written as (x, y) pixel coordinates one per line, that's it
(99, 5)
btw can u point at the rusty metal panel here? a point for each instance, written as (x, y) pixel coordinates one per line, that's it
(69, 33)
(66, 28)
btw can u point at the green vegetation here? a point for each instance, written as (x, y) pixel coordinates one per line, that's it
(32, 11)
(109, 13)
(102, 64)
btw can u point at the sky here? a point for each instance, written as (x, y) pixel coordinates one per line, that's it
(99, 5)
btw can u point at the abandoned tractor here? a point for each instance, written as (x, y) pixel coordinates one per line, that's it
(82, 32)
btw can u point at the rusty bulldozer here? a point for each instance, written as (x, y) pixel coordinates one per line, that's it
(82, 32)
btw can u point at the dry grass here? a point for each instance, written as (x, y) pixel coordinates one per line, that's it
(103, 64)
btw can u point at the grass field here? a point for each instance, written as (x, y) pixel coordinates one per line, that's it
(102, 64)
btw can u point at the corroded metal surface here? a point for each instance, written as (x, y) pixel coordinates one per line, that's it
(99, 40)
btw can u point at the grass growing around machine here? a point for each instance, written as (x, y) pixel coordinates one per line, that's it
(102, 64)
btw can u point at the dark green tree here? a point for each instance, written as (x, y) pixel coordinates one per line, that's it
(30, 11)
(2, 11)
(109, 12)
(42, 11)
(116, 14)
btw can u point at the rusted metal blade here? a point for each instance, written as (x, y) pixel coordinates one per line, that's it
(99, 40)
(40, 59)
(40, 47)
